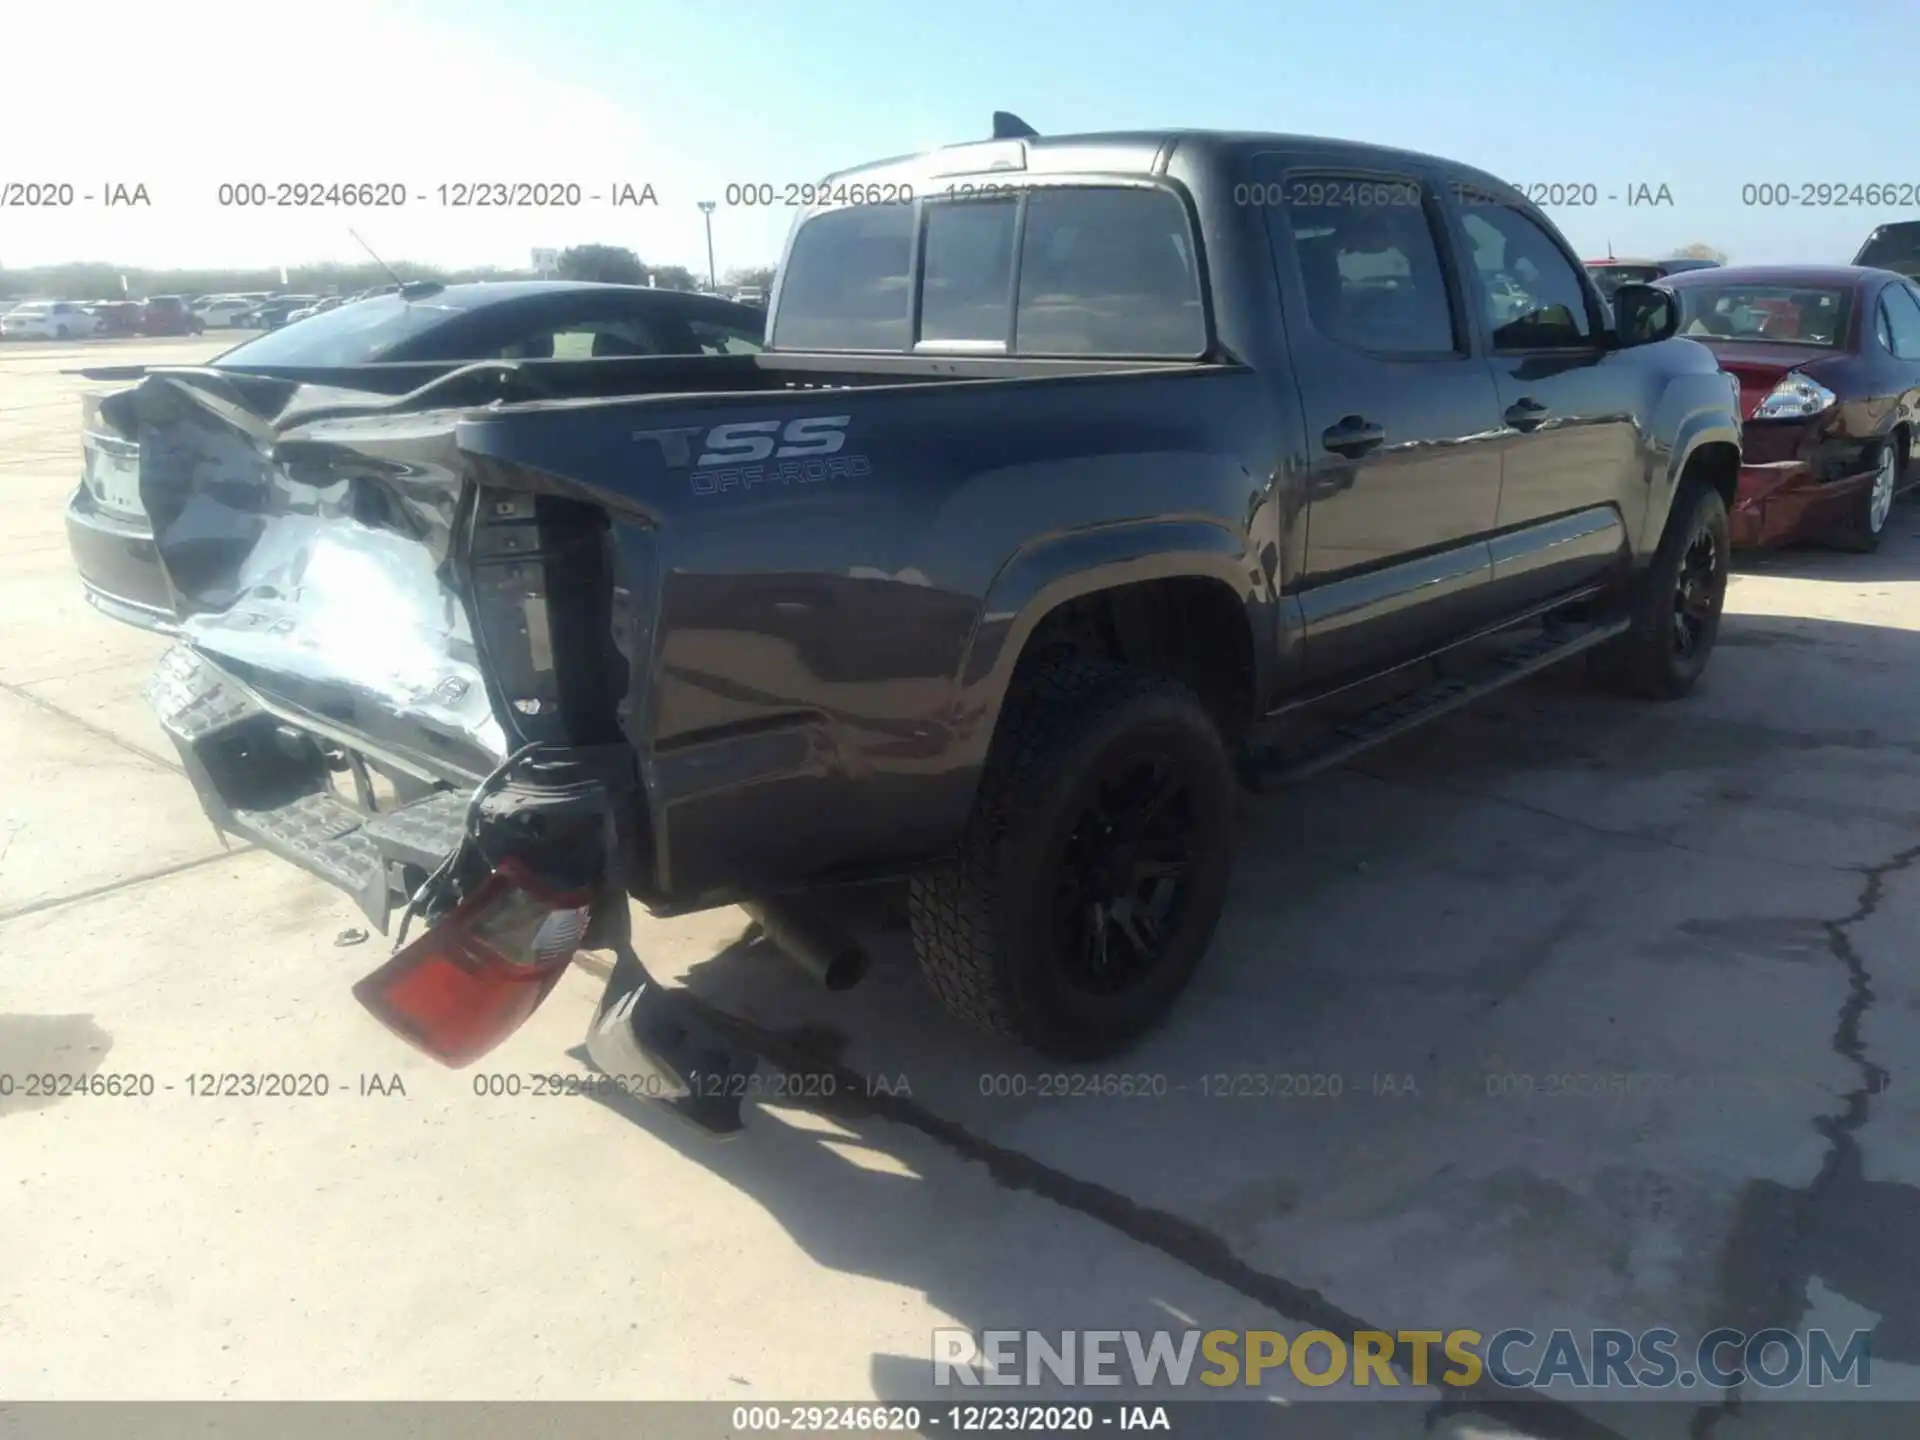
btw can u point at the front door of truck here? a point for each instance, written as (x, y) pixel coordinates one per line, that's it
(1573, 407)
(1402, 412)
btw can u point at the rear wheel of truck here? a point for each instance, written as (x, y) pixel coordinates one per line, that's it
(1676, 603)
(1094, 867)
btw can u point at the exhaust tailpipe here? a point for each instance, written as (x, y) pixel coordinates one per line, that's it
(825, 951)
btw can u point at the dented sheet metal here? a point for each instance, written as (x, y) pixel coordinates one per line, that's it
(319, 573)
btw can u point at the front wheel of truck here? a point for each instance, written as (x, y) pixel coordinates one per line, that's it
(1676, 603)
(1094, 866)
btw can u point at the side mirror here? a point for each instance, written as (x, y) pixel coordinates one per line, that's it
(1644, 314)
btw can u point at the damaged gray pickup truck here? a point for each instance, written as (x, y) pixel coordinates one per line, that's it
(1082, 480)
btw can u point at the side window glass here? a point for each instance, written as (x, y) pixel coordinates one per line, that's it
(723, 340)
(583, 340)
(1369, 262)
(1883, 323)
(1903, 317)
(1531, 292)
(967, 268)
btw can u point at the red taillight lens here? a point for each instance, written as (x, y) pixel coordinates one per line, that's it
(474, 978)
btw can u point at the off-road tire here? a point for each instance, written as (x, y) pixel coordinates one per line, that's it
(1645, 661)
(982, 921)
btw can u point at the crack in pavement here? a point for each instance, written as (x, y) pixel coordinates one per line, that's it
(80, 897)
(1843, 1165)
(1462, 792)
(1182, 1240)
(99, 732)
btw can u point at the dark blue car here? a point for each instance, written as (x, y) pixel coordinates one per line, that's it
(107, 526)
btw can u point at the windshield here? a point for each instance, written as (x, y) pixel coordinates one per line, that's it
(1788, 314)
(1893, 247)
(1611, 277)
(358, 333)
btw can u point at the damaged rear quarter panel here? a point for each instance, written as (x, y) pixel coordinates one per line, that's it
(797, 638)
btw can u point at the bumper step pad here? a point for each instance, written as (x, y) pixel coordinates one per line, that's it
(252, 786)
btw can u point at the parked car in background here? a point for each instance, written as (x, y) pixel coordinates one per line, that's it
(751, 295)
(169, 315)
(107, 527)
(1893, 247)
(318, 307)
(1507, 298)
(116, 317)
(1828, 360)
(981, 575)
(47, 320)
(1610, 274)
(223, 312)
(272, 314)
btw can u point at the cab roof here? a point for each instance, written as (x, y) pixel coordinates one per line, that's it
(1146, 152)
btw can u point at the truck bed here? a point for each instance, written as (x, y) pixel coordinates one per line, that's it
(391, 580)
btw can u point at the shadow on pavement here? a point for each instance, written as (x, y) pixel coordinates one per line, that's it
(1548, 1016)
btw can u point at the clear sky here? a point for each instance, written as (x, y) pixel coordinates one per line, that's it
(183, 95)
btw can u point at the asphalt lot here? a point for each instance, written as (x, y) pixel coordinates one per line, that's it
(1716, 900)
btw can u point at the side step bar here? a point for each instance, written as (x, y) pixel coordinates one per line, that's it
(1267, 767)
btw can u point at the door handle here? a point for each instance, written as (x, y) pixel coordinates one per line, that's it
(1353, 436)
(1526, 414)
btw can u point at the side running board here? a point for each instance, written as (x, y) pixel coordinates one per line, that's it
(1267, 767)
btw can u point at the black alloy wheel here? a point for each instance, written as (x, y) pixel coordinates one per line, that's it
(1094, 867)
(1124, 873)
(1697, 594)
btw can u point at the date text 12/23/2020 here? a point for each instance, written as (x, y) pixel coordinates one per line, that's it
(1307, 194)
(450, 195)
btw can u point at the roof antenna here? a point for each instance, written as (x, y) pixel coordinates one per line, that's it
(1009, 126)
(376, 259)
(1609, 249)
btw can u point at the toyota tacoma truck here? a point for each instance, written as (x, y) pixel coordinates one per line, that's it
(1081, 482)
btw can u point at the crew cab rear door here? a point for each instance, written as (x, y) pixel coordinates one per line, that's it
(1402, 415)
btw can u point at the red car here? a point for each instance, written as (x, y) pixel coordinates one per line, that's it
(169, 315)
(1828, 362)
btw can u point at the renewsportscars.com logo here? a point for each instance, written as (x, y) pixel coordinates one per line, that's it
(743, 454)
(1514, 1359)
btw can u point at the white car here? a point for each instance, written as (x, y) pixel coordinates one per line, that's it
(223, 312)
(319, 307)
(47, 320)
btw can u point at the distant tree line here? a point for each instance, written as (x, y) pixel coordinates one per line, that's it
(754, 277)
(98, 280)
(95, 280)
(616, 265)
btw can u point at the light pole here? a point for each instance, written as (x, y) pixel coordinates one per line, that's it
(706, 209)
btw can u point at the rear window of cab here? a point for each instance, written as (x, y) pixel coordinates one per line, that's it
(1088, 271)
